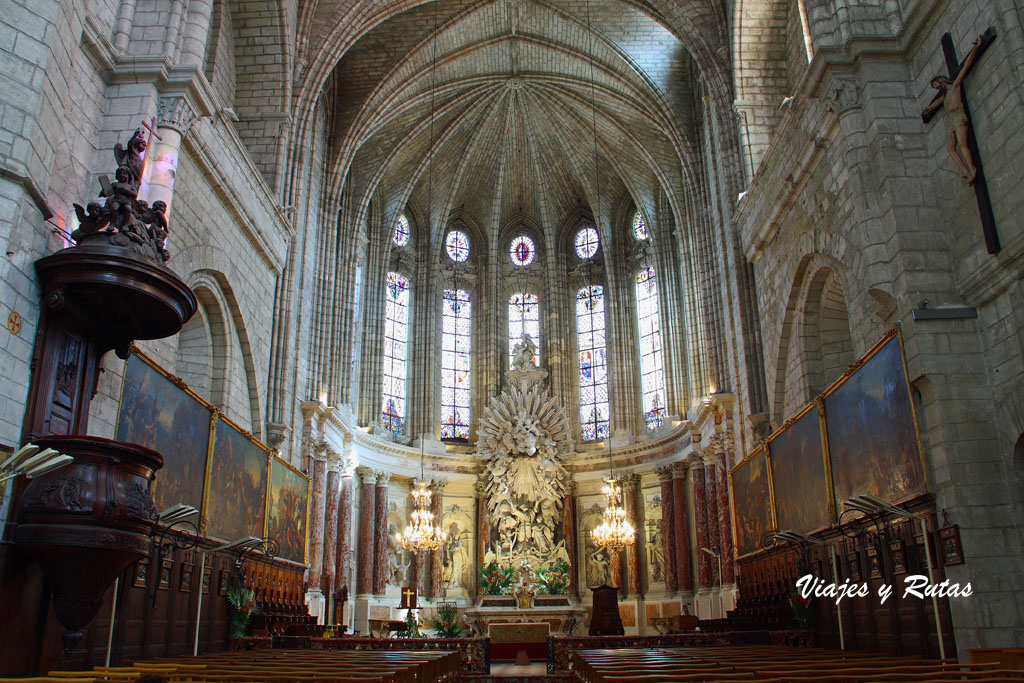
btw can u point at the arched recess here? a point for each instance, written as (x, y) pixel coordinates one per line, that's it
(233, 385)
(827, 342)
(203, 346)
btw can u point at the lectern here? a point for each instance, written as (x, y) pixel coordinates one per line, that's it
(605, 620)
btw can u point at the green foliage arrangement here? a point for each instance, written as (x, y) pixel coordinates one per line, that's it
(243, 606)
(554, 580)
(801, 607)
(495, 580)
(446, 622)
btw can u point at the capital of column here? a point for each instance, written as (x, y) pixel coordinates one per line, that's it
(334, 460)
(679, 469)
(383, 478)
(631, 481)
(320, 449)
(175, 112)
(709, 456)
(307, 446)
(666, 473)
(480, 489)
(348, 465)
(571, 487)
(438, 485)
(367, 475)
(277, 434)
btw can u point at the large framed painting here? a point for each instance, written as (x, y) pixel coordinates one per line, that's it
(800, 482)
(160, 412)
(236, 487)
(753, 511)
(288, 510)
(873, 442)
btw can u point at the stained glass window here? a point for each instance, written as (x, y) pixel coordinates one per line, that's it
(402, 232)
(586, 243)
(457, 245)
(590, 342)
(652, 374)
(456, 345)
(396, 340)
(523, 316)
(522, 251)
(639, 227)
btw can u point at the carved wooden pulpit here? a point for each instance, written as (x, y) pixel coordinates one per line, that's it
(605, 621)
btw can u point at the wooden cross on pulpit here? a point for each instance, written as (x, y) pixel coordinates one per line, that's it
(408, 598)
(960, 140)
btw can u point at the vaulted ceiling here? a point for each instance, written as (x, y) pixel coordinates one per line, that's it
(491, 106)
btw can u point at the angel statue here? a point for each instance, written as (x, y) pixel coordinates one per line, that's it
(523, 353)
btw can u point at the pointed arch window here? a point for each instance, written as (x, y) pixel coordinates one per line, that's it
(652, 373)
(639, 227)
(396, 345)
(456, 347)
(593, 369)
(402, 231)
(523, 317)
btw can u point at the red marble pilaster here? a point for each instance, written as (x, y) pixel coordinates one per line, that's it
(380, 535)
(722, 465)
(367, 515)
(316, 515)
(483, 529)
(700, 524)
(630, 494)
(711, 496)
(333, 496)
(681, 513)
(569, 529)
(436, 506)
(345, 512)
(615, 572)
(668, 541)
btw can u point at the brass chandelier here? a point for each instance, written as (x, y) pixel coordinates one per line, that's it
(615, 531)
(421, 534)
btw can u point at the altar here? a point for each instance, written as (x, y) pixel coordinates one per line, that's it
(561, 620)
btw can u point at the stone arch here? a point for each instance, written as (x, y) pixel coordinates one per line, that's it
(826, 339)
(203, 346)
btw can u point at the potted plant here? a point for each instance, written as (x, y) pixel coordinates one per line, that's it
(495, 580)
(555, 579)
(243, 606)
(801, 607)
(445, 622)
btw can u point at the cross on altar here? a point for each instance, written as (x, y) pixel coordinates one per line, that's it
(408, 598)
(963, 146)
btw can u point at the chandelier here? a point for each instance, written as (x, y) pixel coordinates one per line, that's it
(421, 534)
(615, 531)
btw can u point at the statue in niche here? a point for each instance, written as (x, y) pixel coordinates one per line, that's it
(598, 567)
(523, 353)
(456, 557)
(394, 555)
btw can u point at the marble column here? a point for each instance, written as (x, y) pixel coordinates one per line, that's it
(569, 533)
(345, 512)
(668, 541)
(722, 465)
(681, 514)
(333, 499)
(316, 514)
(615, 572)
(630, 494)
(711, 498)
(700, 523)
(380, 535)
(436, 506)
(367, 515)
(483, 530)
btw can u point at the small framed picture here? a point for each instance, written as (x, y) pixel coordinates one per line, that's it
(141, 572)
(949, 544)
(899, 557)
(207, 579)
(853, 562)
(185, 579)
(874, 564)
(165, 575)
(222, 583)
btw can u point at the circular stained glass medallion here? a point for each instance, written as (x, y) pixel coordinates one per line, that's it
(457, 245)
(522, 251)
(586, 243)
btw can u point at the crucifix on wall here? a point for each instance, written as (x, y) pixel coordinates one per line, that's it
(960, 140)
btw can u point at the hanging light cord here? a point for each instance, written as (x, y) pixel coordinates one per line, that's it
(593, 109)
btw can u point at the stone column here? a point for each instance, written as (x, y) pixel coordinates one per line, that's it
(681, 515)
(700, 524)
(436, 506)
(668, 541)
(380, 535)
(345, 510)
(333, 496)
(367, 515)
(722, 465)
(711, 498)
(175, 116)
(630, 493)
(316, 514)
(615, 572)
(569, 529)
(483, 531)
